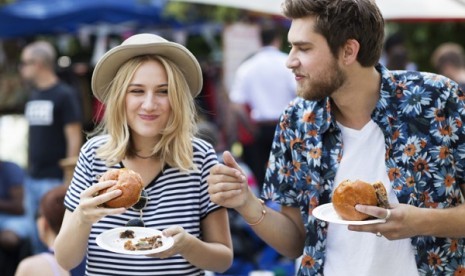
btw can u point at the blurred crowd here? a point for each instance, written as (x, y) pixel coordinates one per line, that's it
(241, 120)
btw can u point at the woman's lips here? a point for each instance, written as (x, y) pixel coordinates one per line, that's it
(148, 117)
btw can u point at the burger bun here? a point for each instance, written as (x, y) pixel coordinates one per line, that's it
(128, 181)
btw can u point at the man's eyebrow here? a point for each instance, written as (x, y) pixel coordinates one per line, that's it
(300, 43)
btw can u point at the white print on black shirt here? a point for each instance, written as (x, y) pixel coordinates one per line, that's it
(39, 113)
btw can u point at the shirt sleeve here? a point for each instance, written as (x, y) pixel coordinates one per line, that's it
(82, 177)
(455, 107)
(279, 178)
(207, 206)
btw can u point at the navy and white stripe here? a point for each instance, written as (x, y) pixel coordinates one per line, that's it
(175, 199)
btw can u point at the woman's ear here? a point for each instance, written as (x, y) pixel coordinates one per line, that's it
(42, 224)
(350, 51)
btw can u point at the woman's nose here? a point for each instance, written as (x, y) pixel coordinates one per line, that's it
(149, 102)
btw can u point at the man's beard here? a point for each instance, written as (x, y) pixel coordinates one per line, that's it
(324, 84)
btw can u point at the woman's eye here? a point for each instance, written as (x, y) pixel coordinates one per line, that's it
(136, 91)
(164, 91)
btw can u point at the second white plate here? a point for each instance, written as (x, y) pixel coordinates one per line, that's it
(111, 241)
(327, 213)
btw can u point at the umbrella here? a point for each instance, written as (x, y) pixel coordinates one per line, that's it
(30, 17)
(391, 9)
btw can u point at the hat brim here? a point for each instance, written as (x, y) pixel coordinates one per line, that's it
(108, 65)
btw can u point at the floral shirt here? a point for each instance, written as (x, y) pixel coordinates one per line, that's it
(421, 116)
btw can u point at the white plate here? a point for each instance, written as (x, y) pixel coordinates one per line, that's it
(111, 241)
(327, 213)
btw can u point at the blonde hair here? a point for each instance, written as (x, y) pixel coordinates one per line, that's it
(175, 145)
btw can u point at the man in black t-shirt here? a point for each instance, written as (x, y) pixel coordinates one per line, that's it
(55, 125)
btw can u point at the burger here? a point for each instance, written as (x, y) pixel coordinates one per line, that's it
(350, 193)
(128, 181)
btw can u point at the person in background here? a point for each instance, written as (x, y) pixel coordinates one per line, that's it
(396, 54)
(55, 126)
(49, 219)
(358, 120)
(262, 86)
(449, 60)
(148, 85)
(13, 222)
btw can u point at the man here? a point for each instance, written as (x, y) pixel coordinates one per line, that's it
(358, 120)
(262, 86)
(54, 117)
(449, 60)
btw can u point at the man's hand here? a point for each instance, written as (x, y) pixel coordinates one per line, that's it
(228, 185)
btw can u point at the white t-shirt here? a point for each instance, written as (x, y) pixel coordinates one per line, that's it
(265, 83)
(358, 253)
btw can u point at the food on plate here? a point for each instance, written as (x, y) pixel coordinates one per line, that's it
(128, 181)
(146, 243)
(127, 234)
(350, 193)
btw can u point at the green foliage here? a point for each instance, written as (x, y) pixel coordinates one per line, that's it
(422, 38)
(4, 2)
(187, 12)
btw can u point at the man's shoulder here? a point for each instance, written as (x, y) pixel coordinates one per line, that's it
(65, 87)
(302, 112)
(434, 85)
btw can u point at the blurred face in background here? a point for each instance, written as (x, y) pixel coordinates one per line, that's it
(28, 66)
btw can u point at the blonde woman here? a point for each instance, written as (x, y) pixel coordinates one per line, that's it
(148, 85)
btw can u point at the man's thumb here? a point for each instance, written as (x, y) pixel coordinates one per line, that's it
(229, 160)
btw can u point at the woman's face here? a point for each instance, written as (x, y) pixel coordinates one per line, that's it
(147, 104)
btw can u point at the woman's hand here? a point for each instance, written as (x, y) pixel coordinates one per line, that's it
(181, 242)
(90, 208)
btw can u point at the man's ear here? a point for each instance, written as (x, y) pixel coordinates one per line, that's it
(349, 51)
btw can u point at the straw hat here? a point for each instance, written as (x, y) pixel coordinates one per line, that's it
(145, 44)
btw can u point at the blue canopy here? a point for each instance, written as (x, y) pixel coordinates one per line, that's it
(31, 17)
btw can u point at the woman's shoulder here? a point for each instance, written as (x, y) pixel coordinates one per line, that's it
(201, 145)
(35, 265)
(95, 142)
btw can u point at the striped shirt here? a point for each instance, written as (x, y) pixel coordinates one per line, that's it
(175, 198)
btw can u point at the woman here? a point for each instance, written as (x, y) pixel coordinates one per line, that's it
(147, 85)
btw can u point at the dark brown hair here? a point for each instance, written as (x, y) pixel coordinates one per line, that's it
(52, 207)
(341, 20)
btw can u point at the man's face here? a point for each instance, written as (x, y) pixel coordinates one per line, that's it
(317, 71)
(28, 66)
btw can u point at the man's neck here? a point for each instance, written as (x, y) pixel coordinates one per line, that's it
(46, 81)
(354, 103)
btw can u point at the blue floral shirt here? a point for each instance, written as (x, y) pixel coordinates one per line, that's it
(422, 117)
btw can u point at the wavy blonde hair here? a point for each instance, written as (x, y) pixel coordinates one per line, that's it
(175, 144)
